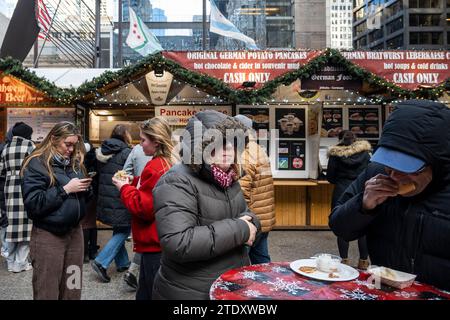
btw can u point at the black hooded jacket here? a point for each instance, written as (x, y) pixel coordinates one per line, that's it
(111, 158)
(410, 234)
(345, 163)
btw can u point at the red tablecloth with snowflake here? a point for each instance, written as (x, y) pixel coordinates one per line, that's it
(277, 281)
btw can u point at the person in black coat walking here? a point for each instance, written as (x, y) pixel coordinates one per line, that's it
(111, 157)
(346, 161)
(401, 201)
(55, 190)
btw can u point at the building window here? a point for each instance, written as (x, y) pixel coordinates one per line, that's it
(395, 43)
(361, 43)
(395, 25)
(360, 28)
(393, 9)
(424, 38)
(424, 20)
(359, 14)
(425, 4)
(375, 35)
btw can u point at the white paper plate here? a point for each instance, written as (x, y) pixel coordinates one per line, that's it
(345, 272)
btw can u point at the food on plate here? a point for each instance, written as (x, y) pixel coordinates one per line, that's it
(371, 116)
(372, 130)
(356, 116)
(121, 175)
(323, 132)
(326, 263)
(333, 275)
(406, 188)
(306, 269)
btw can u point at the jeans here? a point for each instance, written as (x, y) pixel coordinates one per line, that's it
(18, 253)
(4, 248)
(115, 249)
(259, 253)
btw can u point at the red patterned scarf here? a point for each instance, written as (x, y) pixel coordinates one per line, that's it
(224, 179)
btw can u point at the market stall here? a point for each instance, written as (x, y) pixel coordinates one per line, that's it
(35, 101)
(299, 101)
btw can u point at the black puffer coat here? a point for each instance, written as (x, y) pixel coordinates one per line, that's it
(198, 223)
(345, 163)
(411, 234)
(51, 208)
(111, 158)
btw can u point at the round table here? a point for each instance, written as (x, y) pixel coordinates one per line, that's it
(277, 281)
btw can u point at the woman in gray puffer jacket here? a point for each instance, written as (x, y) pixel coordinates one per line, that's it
(202, 218)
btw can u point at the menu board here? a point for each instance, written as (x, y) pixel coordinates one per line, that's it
(291, 155)
(332, 122)
(290, 122)
(260, 118)
(364, 122)
(41, 120)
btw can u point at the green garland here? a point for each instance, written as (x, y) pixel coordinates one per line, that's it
(106, 82)
(15, 68)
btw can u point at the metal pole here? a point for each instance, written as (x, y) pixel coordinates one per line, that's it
(204, 25)
(97, 34)
(119, 53)
(36, 52)
(46, 35)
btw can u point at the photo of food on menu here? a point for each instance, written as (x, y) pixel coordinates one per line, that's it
(290, 122)
(332, 122)
(291, 155)
(364, 122)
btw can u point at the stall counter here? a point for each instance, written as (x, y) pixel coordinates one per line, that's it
(302, 203)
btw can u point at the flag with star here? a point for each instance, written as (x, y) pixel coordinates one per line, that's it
(140, 38)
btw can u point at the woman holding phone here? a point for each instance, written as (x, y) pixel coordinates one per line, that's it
(55, 190)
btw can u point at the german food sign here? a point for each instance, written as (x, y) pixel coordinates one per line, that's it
(407, 69)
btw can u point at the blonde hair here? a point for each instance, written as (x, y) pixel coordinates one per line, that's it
(46, 150)
(158, 130)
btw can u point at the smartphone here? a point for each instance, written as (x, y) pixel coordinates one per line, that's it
(92, 174)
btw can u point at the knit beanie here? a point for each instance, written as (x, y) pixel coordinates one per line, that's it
(23, 130)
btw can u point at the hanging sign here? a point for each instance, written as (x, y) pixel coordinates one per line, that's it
(407, 69)
(243, 69)
(14, 91)
(159, 86)
(180, 115)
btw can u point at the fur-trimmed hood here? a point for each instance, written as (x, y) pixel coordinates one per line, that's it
(348, 151)
(109, 149)
(101, 157)
(196, 144)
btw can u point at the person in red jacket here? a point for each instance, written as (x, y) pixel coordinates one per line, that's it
(137, 197)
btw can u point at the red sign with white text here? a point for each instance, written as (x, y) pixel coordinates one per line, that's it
(13, 91)
(237, 67)
(406, 69)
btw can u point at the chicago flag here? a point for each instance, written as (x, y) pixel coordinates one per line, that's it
(140, 38)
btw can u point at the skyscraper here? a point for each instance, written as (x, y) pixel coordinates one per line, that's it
(339, 18)
(401, 24)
